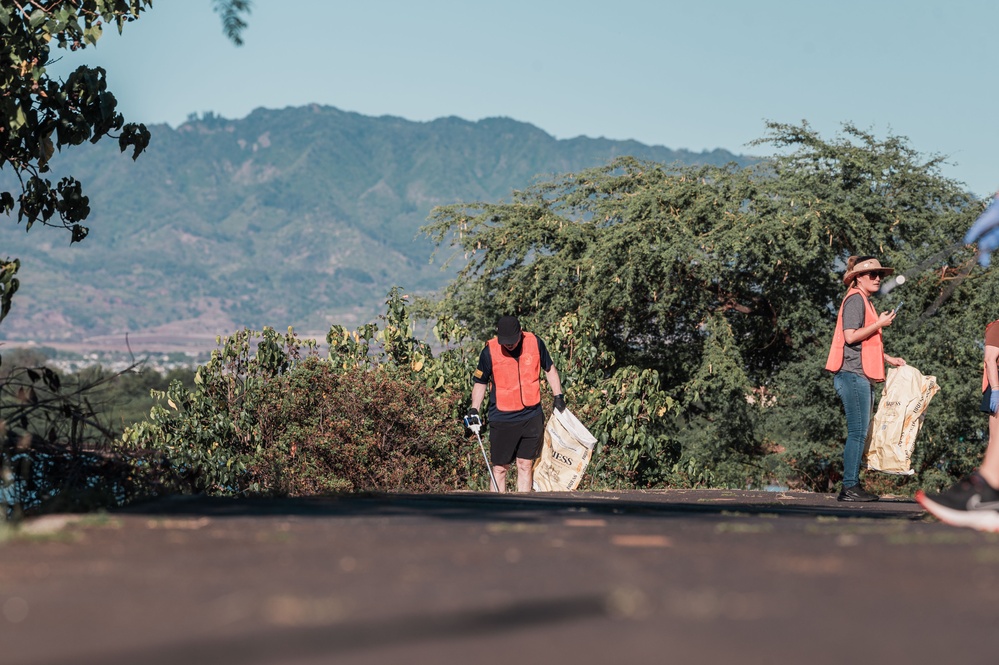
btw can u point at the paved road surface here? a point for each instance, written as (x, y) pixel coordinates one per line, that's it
(625, 577)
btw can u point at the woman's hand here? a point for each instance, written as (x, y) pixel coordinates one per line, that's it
(893, 361)
(854, 335)
(885, 318)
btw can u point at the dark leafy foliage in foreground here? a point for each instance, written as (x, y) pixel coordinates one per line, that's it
(59, 432)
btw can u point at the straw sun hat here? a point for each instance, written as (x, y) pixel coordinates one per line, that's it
(865, 266)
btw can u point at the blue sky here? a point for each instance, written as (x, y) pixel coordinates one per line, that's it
(695, 75)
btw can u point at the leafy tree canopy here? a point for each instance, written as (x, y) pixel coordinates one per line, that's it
(727, 280)
(39, 115)
(42, 115)
(650, 252)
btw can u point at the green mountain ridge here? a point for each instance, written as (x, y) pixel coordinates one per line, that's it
(301, 216)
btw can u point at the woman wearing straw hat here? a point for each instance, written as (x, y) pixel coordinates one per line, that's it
(857, 359)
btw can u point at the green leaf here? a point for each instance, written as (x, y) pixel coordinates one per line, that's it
(19, 119)
(92, 34)
(37, 18)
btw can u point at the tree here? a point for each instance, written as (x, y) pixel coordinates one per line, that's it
(40, 116)
(726, 281)
(43, 115)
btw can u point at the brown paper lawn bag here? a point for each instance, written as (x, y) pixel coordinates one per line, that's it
(564, 455)
(896, 423)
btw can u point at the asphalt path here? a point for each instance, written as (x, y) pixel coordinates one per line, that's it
(674, 576)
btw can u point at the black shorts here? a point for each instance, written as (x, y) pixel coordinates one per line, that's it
(521, 439)
(986, 401)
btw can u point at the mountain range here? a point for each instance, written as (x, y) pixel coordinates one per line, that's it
(302, 216)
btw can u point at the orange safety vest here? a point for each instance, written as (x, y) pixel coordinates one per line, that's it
(516, 380)
(872, 352)
(985, 370)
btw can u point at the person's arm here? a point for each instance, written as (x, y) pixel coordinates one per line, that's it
(478, 394)
(552, 375)
(480, 379)
(553, 380)
(854, 335)
(991, 370)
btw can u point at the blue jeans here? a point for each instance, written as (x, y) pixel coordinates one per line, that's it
(857, 394)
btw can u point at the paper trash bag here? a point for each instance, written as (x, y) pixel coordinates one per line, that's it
(566, 451)
(900, 414)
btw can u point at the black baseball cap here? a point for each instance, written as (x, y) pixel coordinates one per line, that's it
(508, 330)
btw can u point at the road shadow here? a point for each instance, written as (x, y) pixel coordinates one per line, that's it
(291, 644)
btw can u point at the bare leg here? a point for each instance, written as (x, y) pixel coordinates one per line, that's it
(500, 474)
(525, 475)
(990, 465)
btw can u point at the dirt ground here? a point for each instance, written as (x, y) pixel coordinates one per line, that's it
(624, 577)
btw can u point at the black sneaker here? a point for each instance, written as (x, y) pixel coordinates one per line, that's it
(857, 494)
(972, 502)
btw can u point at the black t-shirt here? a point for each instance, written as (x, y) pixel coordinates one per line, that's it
(484, 374)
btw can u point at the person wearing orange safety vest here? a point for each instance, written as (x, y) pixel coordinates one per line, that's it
(512, 362)
(857, 359)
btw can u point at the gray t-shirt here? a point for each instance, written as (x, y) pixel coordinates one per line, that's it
(853, 319)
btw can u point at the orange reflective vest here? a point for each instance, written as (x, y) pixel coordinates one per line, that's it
(872, 351)
(985, 369)
(516, 380)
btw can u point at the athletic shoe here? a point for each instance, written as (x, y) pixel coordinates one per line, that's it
(856, 494)
(972, 502)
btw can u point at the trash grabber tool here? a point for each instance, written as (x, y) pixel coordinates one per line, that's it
(474, 423)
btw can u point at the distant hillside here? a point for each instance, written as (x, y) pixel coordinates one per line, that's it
(302, 216)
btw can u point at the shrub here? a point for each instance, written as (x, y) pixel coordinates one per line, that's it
(324, 430)
(268, 416)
